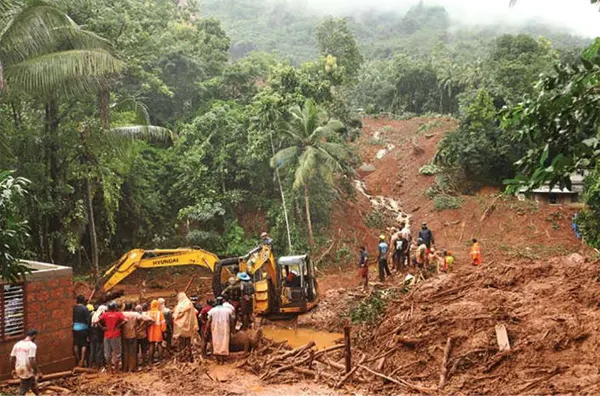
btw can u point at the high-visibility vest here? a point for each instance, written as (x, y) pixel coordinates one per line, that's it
(475, 251)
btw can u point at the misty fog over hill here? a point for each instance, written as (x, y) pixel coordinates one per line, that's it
(384, 27)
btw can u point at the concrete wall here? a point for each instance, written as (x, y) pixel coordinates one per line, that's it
(561, 199)
(48, 309)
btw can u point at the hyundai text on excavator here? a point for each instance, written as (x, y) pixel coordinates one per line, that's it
(287, 285)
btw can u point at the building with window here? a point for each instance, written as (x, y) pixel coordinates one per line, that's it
(557, 195)
(43, 301)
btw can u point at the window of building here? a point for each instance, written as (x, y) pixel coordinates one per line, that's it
(553, 198)
(12, 311)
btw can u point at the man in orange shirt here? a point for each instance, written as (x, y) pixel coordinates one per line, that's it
(475, 253)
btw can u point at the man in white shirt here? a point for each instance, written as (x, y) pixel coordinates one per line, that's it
(220, 320)
(24, 365)
(229, 306)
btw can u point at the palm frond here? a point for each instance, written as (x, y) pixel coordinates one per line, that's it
(307, 165)
(311, 117)
(34, 28)
(284, 157)
(293, 129)
(143, 132)
(328, 131)
(138, 108)
(71, 72)
(337, 151)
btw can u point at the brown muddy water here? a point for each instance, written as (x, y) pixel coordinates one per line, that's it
(301, 336)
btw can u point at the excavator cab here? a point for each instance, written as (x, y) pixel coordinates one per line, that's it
(298, 284)
(285, 286)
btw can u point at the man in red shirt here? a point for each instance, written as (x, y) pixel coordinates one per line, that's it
(111, 322)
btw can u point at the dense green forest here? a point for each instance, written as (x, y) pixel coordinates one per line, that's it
(161, 123)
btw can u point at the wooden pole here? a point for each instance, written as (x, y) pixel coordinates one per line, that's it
(189, 284)
(347, 350)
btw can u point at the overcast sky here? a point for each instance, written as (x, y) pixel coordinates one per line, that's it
(578, 15)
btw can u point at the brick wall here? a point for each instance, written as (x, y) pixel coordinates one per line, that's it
(49, 310)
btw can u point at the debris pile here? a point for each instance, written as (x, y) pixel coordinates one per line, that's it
(507, 328)
(329, 315)
(275, 362)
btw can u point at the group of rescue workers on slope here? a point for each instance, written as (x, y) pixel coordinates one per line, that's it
(421, 256)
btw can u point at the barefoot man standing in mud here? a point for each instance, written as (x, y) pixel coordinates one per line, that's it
(219, 322)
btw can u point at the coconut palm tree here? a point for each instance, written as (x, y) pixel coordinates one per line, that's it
(117, 138)
(31, 33)
(310, 152)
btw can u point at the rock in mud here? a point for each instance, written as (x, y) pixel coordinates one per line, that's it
(366, 169)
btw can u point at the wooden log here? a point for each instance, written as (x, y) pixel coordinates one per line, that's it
(84, 370)
(293, 352)
(287, 367)
(189, 284)
(330, 349)
(329, 363)
(349, 374)
(444, 368)
(57, 389)
(398, 369)
(400, 382)
(383, 355)
(48, 377)
(347, 349)
(312, 373)
(305, 371)
(380, 363)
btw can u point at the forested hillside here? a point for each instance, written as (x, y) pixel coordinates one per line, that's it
(156, 123)
(287, 28)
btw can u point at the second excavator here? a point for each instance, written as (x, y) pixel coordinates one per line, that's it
(287, 285)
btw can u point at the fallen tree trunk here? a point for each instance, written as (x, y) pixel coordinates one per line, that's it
(287, 367)
(48, 377)
(400, 382)
(85, 370)
(330, 349)
(293, 352)
(444, 369)
(328, 362)
(348, 375)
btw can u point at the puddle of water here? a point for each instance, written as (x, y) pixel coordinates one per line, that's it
(299, 337)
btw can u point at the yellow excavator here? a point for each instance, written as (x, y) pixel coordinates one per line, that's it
(287, 285)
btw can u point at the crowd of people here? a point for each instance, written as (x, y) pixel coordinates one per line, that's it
(403, 253)
(127, 337)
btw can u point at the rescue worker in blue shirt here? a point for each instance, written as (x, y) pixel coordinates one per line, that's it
(426, 235)
(382, 250)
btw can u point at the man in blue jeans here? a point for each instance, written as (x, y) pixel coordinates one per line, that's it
(382, 250)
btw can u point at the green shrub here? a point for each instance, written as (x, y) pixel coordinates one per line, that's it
(374, 219)
(428, 126)
(443, 185)
(371, 308)
(443, 202)
(430, 169)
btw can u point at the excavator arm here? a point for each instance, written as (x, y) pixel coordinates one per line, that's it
(158, 258)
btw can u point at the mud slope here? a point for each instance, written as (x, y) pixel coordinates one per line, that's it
(511, 228)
